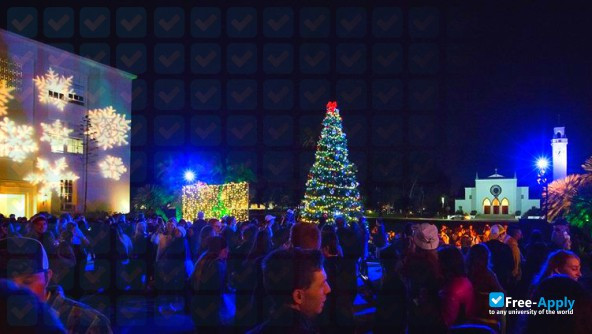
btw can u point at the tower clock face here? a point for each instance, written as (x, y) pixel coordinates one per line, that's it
(495, 190)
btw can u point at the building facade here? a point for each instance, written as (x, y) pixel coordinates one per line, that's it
(64, 131)
(496, 195)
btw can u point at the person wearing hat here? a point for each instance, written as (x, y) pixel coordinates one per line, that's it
(501, 255)
(24, 262)
(421, 277)
(426, 237)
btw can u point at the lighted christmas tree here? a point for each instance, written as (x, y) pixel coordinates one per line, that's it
(331, 187)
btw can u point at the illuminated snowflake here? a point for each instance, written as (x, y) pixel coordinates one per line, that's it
(54, 89)
(56, 134)
(112, 167)
(50, 177)
(108, 128)
(5, 97)
(16, 141)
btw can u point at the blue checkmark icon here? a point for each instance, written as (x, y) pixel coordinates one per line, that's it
(496, 299)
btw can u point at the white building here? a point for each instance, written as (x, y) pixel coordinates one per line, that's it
(38, 98)
(496, 195)
(559, 145)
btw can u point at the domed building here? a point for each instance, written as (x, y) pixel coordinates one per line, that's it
(496, 195)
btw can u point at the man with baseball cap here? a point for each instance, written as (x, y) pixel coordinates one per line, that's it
(24, 262)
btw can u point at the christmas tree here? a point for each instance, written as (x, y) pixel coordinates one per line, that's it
(331, 187)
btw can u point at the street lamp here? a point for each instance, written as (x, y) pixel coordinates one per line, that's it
(189, 176)
(542, 164)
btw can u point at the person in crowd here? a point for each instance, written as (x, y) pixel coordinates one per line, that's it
(14, 227)
(379, 237)
(140, 240)
(484, 281)
(421, 276)
(338, 313)
(305, 236)
(174, 265)
(250, 292)
(560, 238)
(512, 239)
(207, 282)
(24, 262)
(216, 225)
(163, 237)
(289, 218)
(13, 299)
(559, 287)
(296, 281)
(4, 229)
(457, 291)
(207, 232)
(501, 256)
(123, 243)
(193, 234)
(536, 254)
(559, 262)
(40, 233)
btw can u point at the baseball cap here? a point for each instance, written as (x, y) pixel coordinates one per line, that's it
(269, 218)
(22, 256)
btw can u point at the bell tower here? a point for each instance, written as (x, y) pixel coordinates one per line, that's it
(559, 145)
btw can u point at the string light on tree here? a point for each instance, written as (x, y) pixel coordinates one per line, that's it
(50, 176)
(108, 127)
(5, 97)
(56, 133)
(54, 88)
(331, 187)
(112, 167)
(16, 141)
(216, 200)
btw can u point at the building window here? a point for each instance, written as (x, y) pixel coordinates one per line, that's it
(76, 99)
(522, 196)
(72, 145)
(470, 196)
(66, 194)
(72, 98)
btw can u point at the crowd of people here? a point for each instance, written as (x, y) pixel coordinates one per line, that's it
(280, 275)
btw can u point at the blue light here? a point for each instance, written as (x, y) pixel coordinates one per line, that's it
(189, 176)
(542, 163)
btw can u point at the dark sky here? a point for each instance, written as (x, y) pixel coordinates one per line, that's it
(506, 73)
(520, 67)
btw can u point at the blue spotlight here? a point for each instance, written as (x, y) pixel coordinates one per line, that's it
(189, 176)
(542, 163)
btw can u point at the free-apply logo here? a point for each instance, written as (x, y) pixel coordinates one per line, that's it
(496, 299)
(499, 300)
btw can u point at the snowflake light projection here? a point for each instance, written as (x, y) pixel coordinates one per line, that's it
(5, 97)
(112, 167)
(49, 177)
(108, 128)
(16, 141)
(54, 89)
(56, 134)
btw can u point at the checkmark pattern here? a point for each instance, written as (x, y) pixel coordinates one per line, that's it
(231, 78)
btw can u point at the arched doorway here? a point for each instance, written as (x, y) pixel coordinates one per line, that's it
(505, 206)
(495, 205)
(486, 206)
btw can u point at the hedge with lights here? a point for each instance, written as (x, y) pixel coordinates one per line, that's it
(216, 201)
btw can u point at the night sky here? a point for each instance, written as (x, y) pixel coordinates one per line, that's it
(505, 75)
